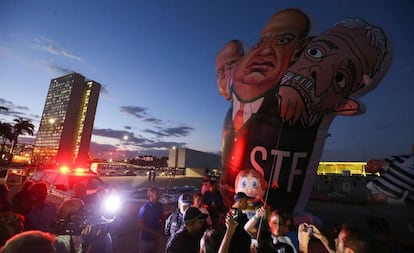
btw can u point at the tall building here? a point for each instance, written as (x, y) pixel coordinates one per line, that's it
(67, 121)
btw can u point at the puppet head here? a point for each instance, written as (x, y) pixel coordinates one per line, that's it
(346, 61)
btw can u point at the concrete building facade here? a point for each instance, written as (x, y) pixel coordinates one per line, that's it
(194, 162)
(67, 121)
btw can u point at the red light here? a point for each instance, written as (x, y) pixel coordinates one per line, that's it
(79, 171)
(64, 169)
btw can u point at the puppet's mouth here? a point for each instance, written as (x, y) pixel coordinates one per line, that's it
(261, 67)
(305, 87)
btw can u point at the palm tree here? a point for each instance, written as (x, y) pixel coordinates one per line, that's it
(21, 126)
(6, 134)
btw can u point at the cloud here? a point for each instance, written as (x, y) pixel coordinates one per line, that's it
(178, 131)
(59, 70)
(153, 120)
(104, 151)
(117, 134)
(70, 55)
(166, 144)
(6, 103)
(120, 135)
(16, 111)
(52, 47)
(97, 148)
(156, 133)
(170, 131)
(127, 127)
(136, 111)
(133, 146)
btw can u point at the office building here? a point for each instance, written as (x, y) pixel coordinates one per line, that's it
(67, 121)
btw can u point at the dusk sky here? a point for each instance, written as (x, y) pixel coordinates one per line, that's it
(155, 60)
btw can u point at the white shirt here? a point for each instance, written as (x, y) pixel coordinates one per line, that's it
(249, 108)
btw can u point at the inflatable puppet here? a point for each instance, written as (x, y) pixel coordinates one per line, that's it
(226, 60)
(287, 96)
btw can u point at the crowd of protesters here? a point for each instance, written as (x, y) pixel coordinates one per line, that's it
(30, 223)
(200, 223)
(188, 229)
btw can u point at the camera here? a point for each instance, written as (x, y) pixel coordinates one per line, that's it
(69, 227)
(75, 224)
(97, 217)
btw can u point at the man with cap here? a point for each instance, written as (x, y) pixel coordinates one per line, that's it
(241, 240)
(175, 221)
(187, 239)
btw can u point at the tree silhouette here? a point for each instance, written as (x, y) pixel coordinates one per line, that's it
(6, 134)
(20, 127)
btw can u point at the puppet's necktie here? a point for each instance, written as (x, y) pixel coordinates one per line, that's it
(238, 118)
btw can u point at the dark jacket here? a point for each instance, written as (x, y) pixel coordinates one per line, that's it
(173, 223)
(182, 242)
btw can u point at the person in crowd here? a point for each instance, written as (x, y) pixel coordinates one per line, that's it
(187, 239)
(151, 175)
(150, 220)
(396, 183)
(231, 226)
(4, 198)
(79, 190)
(10, 225)
(43, 213)
(351, 239)
(273, 237)
(175, 221)
(30, 241)
(70, 211)
(25, 186)
(210, 241)
(198, 203)
(205, 185)
(214, 201)
(241, 240)
(73, 236)
(23, 201)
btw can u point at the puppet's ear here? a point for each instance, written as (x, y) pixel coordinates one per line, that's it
(349, 107)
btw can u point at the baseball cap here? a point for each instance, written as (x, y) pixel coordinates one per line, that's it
(192, 214)
(240, 195)
(185, 199)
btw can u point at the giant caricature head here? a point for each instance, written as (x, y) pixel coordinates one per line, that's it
(347, 60)
(263, 66)
(226, 60)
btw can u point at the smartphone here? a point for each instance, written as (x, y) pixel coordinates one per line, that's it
(310, 231)
(235, 213)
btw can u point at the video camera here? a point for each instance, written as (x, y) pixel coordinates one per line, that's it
(97, 217)
(69, 227)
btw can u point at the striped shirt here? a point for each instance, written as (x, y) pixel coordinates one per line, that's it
(398, 178)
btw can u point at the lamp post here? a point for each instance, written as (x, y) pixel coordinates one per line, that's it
(175, 160)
